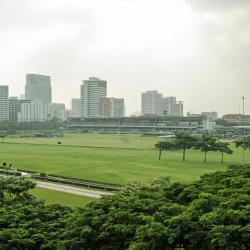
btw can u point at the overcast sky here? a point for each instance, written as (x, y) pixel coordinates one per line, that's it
(196, 50)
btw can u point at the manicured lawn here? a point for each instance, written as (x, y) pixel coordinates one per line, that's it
(114, 164)
(65, 199)
(92, 140)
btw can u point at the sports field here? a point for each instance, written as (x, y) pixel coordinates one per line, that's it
(118, 159)
(65, 199)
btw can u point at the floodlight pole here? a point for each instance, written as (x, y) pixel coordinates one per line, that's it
(243, 133)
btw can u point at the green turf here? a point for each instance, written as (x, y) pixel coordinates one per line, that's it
(65, 199)
(113, 164)
(92, 140)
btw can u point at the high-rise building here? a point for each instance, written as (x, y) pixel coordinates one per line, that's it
(112, 107)
(171, 107)
(75, 107)
(15, 107)
(34, 111)
(4, 103)
(91, 92)
(155, 104)
(151, 103)
(38, 88)
(55, 109)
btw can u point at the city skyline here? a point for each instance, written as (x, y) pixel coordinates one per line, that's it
(189, 49)
(68, 103)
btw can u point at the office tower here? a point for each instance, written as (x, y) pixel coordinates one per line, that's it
(91, 92)
(4, 103)
(76, 107)
(38, 88)
(112, 107)
(151, 103)
(15, 107)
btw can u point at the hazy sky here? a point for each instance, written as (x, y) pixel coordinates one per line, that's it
(196, 50)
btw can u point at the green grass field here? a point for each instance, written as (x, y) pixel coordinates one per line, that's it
(65, 199)
(122, 159)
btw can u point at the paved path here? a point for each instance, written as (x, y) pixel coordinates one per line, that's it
(71, 190)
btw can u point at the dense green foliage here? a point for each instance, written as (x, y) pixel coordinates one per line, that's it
(212, 213)
(245, 143)
(26, 223)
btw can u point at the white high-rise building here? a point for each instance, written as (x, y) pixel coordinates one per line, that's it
(76, 107)
(38, 88)
(171, 107)
(155, 104)
(4, 103)
(34, 111)
(151, 103)
(91, 92)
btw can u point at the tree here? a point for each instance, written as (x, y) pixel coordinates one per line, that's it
(206, 144)
(164, 146)
(246, 143)
(223, 148)
(185, 142)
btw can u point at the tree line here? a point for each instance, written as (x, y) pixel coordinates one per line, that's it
(206, 143)
(211, 213)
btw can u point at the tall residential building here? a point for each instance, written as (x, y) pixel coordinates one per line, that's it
(76, 107)
(4, 103)
(34, 111)
(15, 107)
(171, 107)
(91, 92)
(151, 103)
(38, 88)
(112, 107)
(154, 103)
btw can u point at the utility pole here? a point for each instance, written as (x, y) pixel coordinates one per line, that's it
(243, 133)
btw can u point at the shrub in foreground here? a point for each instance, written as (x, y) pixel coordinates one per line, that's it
(212, 213)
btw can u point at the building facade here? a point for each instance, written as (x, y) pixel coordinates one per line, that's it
(55, 109)
(75, 107)
(38, 88)
(153, 103)
(112, 107)
(34, 111)
(15, 107)
(171, 107)
(4, 103)
(91, 92)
